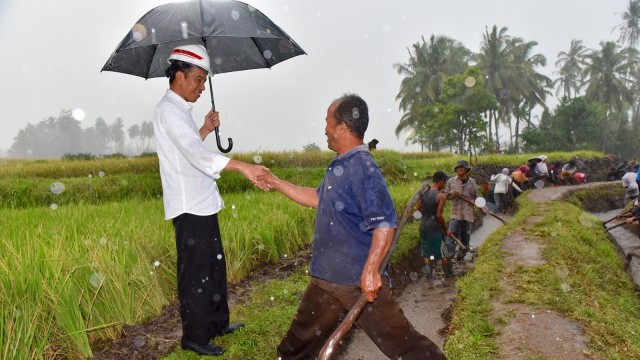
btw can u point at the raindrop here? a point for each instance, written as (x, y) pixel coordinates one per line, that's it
(103, 241)
(355, 113)
(539, 184)
(235, 15)
(251, 8)
(339, 206)
(78, 114)
(191, 242)
(156, 263)
(384, 225)
(504, 94)
(235, 215)
(565, 287)
(96, 279)
(413, 276)
(53, 206)
(533, 316)
(417, 215)
(219, 256)
(554, 234)
(431, 258)
(217, 60)
(470, 81)
(150, 272)
(318, 332)
(257, 159)
(285, 291)
(216, 297)
(139, 341)
(415, 174)
(199, 290)
(372, 169)
(101, 173)
(139, 32)
(338, 170)
(56, 188)
(153, 36)
(272, 298)
(267, 54)
(233, 206)
(185, 29)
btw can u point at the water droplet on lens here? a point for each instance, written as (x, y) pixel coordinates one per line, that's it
(413, 276)
(139, 341)
(101, 173)
(267, 54)
(56, 188)
(257, 159)
(156, 263)
(96, 279)
(470, 81)
(219, 256)
(417, 215)
(53, 206)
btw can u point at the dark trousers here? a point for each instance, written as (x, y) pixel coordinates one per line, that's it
(202, 277)
(324, 304)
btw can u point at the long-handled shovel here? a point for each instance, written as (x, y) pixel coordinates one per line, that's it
(458, 242)
(339, 333)
(482, 208)
(615, 226)
(617, 216)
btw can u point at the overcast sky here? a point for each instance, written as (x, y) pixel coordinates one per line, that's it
(52, 53)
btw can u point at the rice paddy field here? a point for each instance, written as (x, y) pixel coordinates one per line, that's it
(86, 248)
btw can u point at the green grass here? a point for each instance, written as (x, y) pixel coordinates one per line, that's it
(582, 279)
(77, 272)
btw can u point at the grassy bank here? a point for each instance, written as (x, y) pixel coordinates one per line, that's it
(582, 279)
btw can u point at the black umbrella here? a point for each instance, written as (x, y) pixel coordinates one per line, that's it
(237, 37)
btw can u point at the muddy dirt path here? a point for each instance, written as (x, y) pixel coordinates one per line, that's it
(530, 334)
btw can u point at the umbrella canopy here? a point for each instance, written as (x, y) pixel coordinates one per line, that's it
(237, 37)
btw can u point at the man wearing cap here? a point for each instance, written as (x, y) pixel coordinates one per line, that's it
(191, 199)
(462, 215)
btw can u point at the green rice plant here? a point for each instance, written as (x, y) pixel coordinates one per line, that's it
(57, 168)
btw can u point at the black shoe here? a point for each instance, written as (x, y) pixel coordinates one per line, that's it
(206, 349)
(232, 328)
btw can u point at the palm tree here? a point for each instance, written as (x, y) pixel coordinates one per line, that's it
(606, 73)
(630, 26)
(494, 60)
(424, 74)
(570, 66)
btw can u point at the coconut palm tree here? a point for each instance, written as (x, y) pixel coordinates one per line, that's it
(570, 64)
(424, 74)
(630, 26)
(606, 79)
(494, 60)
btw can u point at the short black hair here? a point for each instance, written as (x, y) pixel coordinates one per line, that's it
(353, 111)
(177, 66)
(439, 176)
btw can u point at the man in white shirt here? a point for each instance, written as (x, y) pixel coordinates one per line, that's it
(191, 199)
(630, 186)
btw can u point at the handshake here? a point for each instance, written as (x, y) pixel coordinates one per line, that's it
(260, 176)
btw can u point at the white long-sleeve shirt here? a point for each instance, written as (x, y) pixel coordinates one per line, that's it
(187, 169)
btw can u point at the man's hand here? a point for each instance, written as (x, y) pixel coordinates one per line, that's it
(211, 122)
(370, 283)
(270, 180)
(256, 174)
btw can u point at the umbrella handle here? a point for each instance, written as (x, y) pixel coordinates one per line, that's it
(220, 144)
(213, 107)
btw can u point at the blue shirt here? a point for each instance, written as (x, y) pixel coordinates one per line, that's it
(353, 200)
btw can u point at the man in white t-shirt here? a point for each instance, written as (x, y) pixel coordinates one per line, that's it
(630, 186)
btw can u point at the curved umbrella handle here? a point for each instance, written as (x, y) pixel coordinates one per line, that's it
(213, 107)
(220, 144)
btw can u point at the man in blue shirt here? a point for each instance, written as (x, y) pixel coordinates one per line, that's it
(354, 229)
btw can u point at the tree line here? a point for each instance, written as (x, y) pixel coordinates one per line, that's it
(55, 137)
(454, 99)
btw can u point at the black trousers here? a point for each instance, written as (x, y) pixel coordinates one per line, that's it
(202, 277)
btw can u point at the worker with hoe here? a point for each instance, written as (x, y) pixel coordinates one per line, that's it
(354, 229)
(462, 190)
(433, 228)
